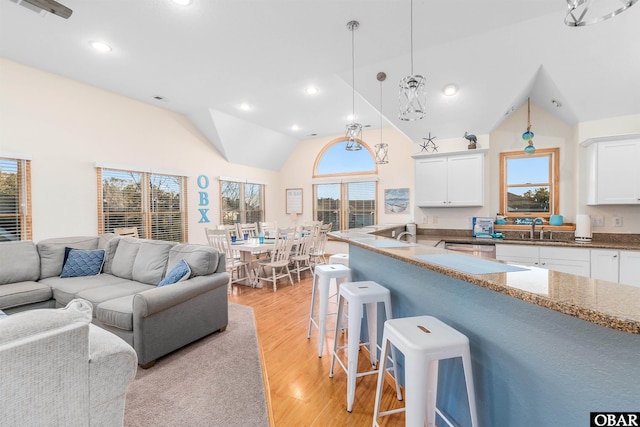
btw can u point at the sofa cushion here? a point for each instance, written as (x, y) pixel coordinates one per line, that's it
(203, 260)
(83, 263)
(66, 289)
(108, 242)
(125, 256)
(20, 262)
(178, 273)
(52, 252)
(101, 294)
(32, 322)
(151, 261)
(117, 312)
(23, 293)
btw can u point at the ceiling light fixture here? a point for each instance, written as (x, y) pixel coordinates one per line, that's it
(354, 130)
(100, 46)
(311, 90)
(245, 107)
(587, 12)
(450, 89)
(413, 95)
(381, 149)
(182, 2)
(528, 135)
(295, 128)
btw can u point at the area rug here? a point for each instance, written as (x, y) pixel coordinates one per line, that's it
(216, 381)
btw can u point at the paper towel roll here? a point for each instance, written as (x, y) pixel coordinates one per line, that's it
(583, 228)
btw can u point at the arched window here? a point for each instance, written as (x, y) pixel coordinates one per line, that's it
(346, 198)
(334, 159)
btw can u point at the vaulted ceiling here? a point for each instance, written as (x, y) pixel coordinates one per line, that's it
(206, 59)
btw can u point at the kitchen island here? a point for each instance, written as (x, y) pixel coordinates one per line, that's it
(548, 348)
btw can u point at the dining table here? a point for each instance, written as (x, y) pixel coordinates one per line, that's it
(250, 250)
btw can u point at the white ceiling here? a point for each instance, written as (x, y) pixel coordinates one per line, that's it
(208, 58)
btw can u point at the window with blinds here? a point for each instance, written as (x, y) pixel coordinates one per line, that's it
(241, 202)
(346, 205)
(155, 204)
(15, 199)
(347, 200)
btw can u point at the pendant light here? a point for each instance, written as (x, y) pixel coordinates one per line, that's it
(381, 149)
(354, 130)
(413, 95)
(587, 12)
(528, 135)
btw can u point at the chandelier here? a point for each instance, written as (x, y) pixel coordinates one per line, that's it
(586, 12)
(528, 135)
(413, 95)
(354, 130)
(381, 149)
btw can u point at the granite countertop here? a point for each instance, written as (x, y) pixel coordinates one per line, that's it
(608, 304)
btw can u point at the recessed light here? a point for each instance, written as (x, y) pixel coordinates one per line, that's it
(311, 90)
(245, 107)
(351, 117)
(450, 89)
(295, 127)
(182, 2)
(100, 46)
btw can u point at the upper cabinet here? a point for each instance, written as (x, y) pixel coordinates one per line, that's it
(449, 180)
(614, 175)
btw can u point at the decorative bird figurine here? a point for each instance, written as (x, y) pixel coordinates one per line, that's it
(472, 140)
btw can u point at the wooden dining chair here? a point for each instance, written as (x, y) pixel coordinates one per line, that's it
(221, 240)
(300, 257)
(268, 228)
(127, 231)
(250, 228)
(317, 251)
(278, 262)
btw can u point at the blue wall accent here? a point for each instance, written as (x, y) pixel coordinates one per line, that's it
(531, 366)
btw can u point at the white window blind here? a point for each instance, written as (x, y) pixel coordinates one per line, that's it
(15, 199)
(154, 204)
(241, 202)
(346, 205)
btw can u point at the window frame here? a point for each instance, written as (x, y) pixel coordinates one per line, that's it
(148, 212)
(343, 180)
(23, 189)
(554, 188)
(242, 212)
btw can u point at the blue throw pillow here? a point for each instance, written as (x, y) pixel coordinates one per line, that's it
(83, 263)
(178, 273)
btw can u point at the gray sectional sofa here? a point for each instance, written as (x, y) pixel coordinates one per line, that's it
(125, 296)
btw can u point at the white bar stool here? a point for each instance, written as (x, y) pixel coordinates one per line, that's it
(424, 341)
(322, 276)
(339, 259)
(358, 295)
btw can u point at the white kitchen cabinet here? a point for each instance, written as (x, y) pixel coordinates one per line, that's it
(605, 264)
(566, 260)
(449, 180)
(614, 175)
(616, 266)
(629, 268)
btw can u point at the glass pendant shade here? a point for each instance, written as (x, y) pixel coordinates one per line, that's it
(413, 98)
(382, 153)
(587, 12)
(413, 94)
(353, 135)
(528, 135)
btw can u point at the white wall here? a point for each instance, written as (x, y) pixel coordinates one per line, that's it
(66, 127)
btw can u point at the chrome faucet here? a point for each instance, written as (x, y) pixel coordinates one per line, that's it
(533, 227)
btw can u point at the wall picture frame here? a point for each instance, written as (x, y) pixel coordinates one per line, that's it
(293, 201)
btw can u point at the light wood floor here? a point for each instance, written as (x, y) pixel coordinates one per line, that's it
(299, 389)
